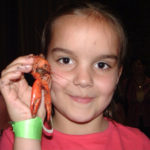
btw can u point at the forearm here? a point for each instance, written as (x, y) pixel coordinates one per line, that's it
(27, 144)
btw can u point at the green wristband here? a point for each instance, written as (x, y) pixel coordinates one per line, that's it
(31, 128)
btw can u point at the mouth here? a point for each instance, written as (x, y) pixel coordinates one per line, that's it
(83, 100)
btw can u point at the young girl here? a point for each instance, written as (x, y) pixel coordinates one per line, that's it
(85, 47)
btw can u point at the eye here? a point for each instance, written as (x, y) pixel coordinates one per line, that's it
(102, 65)
(65, 60)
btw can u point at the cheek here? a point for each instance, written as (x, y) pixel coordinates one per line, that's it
(107, 84)
(60, 82)
(60, 77)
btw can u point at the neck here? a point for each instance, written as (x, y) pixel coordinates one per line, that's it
(67, 126)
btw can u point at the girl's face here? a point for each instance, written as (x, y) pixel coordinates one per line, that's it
(83, 54)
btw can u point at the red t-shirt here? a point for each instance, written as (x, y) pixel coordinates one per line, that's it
(115, 137)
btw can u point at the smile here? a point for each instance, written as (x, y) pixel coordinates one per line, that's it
(83, 100)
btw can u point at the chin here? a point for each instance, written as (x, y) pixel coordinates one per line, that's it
(80, 121)
(81, 118)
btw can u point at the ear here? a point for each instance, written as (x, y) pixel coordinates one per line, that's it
(119, 73)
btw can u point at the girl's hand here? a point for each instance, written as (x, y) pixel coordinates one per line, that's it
(16, 91)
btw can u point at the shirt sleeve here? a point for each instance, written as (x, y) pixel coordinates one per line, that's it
(145, 141)
(7, 140)
(139, 140)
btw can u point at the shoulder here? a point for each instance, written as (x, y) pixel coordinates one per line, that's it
(8, 132)
(131, 135)
(128, 131)
(7, 139)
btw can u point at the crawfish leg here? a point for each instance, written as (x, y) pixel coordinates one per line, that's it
(47, 98)
(35, 97)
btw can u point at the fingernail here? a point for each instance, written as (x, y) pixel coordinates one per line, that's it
(28, 66)
(22, 67)
(17, 72)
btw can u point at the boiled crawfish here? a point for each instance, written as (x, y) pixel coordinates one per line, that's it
(41, 73)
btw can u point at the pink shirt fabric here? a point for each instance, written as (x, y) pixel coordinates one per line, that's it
(115, 137)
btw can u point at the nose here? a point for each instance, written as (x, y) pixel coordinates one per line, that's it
(83, 78)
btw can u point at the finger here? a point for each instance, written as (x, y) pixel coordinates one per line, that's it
(28, 59)
(9, 78)
(11, 83)
(42, 55)
(24, 68)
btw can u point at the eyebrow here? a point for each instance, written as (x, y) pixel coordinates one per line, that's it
(111, 56)
(105, 56)
(57, 49)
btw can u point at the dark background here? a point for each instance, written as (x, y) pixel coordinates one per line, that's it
(22, 22)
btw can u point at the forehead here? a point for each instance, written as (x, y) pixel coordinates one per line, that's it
(82, 18)
(86, 21)
(86, 31)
